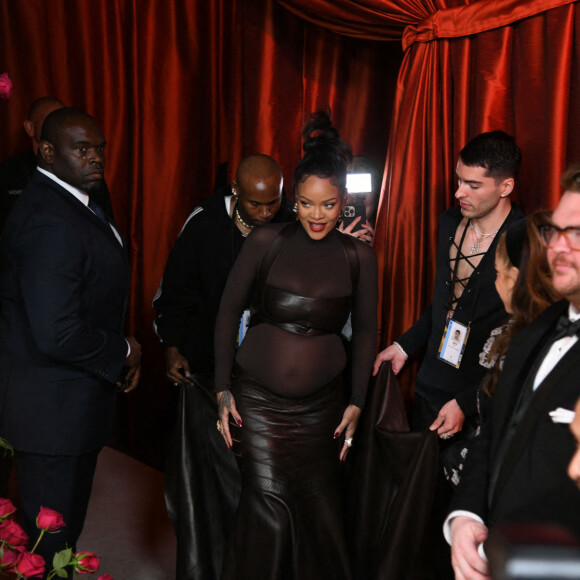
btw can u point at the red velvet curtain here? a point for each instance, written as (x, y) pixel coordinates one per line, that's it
(468, 68)
(181, 87)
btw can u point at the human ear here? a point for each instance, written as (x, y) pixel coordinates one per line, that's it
(507, 186)
(46, 151)
(29, 128)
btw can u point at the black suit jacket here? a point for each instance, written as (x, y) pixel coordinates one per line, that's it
(532, 484)
(64, 285)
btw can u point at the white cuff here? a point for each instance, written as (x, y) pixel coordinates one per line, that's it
(455, 514)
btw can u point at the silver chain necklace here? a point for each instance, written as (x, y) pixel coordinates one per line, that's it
(476, 246)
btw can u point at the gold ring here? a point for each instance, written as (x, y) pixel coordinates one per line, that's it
(348, 442)
(219, 426)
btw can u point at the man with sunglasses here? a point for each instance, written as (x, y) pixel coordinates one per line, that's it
(516, 472)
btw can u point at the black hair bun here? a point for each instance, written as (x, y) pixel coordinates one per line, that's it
(320, 136)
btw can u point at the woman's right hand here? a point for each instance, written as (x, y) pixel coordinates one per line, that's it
(227, 407)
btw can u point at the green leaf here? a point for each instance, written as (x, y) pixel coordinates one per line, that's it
(61, 573)
(8, 449)
(62, 559)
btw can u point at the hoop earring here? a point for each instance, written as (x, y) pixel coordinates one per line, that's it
(340, 216)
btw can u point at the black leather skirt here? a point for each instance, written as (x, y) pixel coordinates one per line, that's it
(289, 523)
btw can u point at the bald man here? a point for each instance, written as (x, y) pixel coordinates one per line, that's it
(16, 171)
(202, 480)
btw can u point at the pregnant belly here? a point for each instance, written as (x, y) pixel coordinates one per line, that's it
(288, 364)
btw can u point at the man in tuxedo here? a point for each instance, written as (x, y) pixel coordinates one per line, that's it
(64, 287)
(516, 471)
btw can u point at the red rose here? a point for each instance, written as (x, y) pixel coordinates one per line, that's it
(49, 520)
(6, 508)
(30, 565)
(105, 577)
(5, 86)
(86, 563)
(8, 559)
(12, 533)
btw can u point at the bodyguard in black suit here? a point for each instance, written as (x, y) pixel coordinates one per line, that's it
(517, 470)
(64, 286)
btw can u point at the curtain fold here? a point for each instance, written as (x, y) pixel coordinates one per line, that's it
(468, 67)
(182, 88)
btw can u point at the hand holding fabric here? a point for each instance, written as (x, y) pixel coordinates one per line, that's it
(178, 370)
(393, 355)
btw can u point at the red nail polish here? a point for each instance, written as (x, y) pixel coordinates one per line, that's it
(239, 422)
(336, 434)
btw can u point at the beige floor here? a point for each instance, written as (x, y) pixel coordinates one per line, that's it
(127, 525)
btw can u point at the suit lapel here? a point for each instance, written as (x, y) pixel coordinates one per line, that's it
(84, 212)
(517, 378)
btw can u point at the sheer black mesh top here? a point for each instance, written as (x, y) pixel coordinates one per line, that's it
(308, 285)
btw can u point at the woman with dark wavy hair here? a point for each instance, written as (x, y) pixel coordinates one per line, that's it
(291, 424)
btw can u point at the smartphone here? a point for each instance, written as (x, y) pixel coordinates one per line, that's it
(352, 211)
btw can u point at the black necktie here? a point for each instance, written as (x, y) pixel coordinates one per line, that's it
(99, 212)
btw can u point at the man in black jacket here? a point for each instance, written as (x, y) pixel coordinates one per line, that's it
(464, 300)
(187, 303)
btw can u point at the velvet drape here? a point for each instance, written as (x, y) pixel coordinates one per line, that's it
(181, 88)
(468, 68)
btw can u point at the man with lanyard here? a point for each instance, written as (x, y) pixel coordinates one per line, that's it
(516, 470)
(202, 480)
(464, 299)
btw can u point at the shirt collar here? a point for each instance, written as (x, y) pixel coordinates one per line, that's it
(573, 313)
(80, 195)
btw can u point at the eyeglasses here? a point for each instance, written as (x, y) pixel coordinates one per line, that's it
(551, 235)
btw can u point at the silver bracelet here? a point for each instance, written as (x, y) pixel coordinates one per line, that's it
(400, 349)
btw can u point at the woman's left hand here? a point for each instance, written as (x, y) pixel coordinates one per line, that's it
(348, 424)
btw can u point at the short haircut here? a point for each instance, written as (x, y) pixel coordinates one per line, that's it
(496, 151)
(55, 120)
(41, 103)
(570, 180)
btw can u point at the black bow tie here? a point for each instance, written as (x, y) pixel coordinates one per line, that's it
(566, 327)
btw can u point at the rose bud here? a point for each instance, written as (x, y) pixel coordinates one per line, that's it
(86, 563)
(30, 565)
(49, 520)
(6, 508)
(8, 559)
(5, 86)
(12, 533)
(105, 577)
